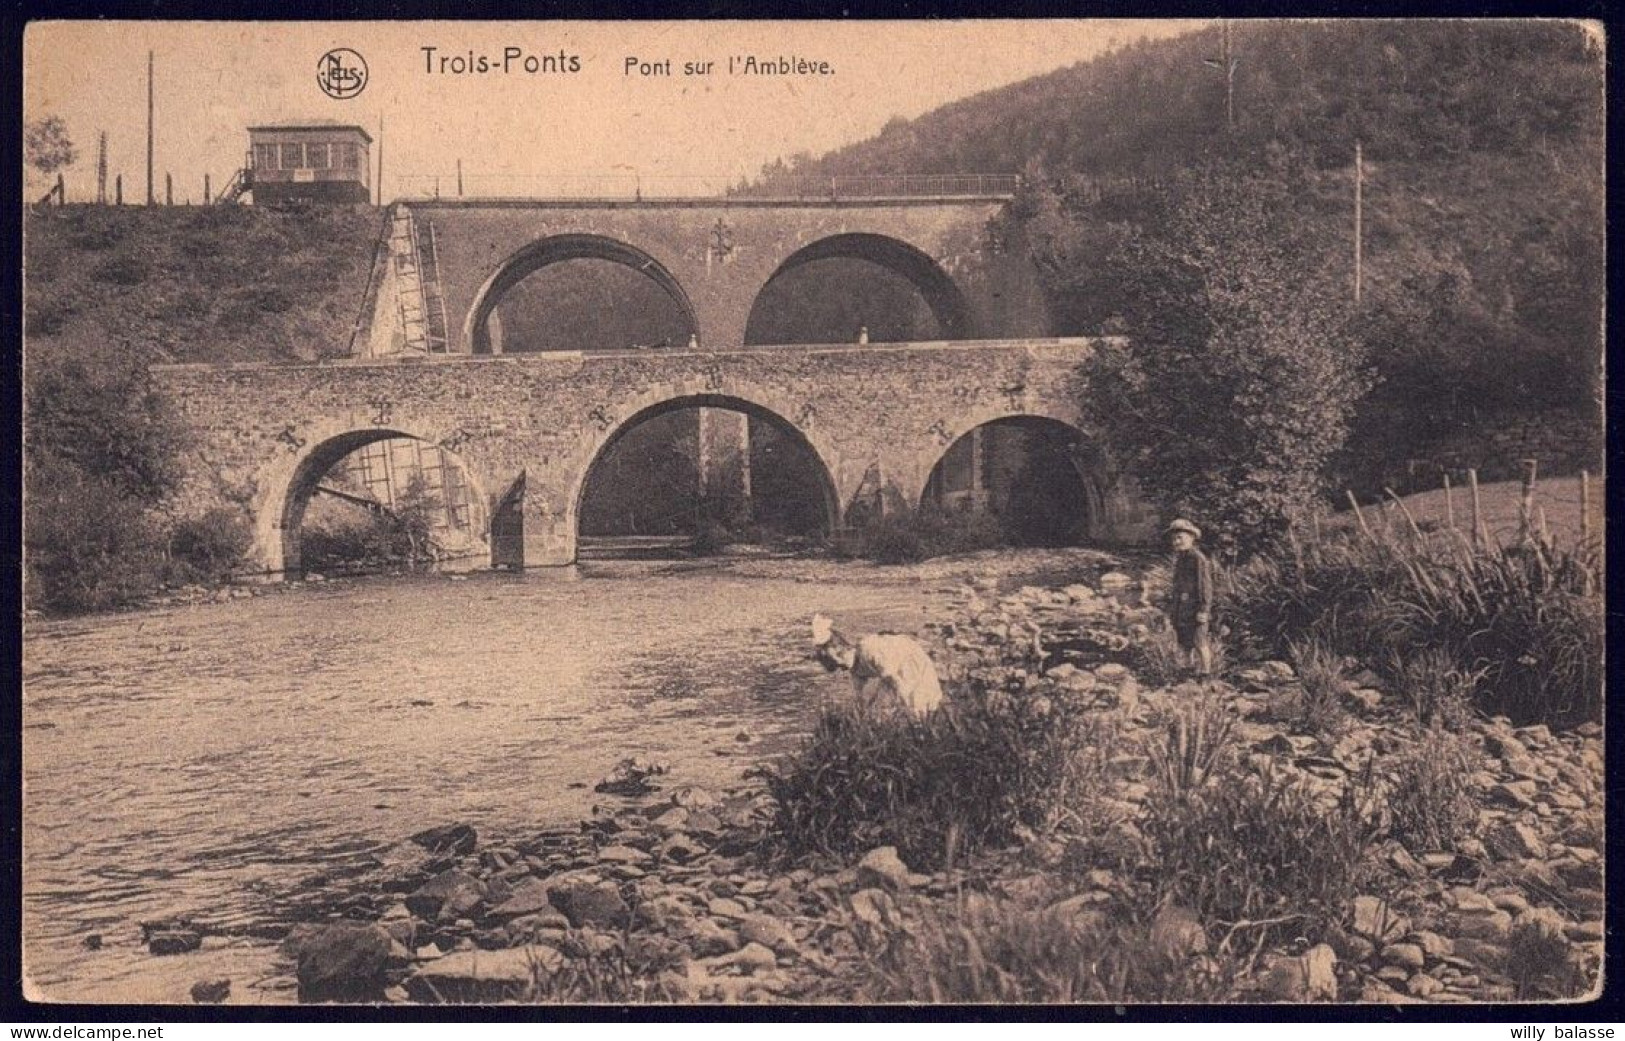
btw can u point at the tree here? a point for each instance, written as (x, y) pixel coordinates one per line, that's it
(1243, 367)
(47, 146)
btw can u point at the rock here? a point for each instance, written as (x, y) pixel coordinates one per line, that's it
(679, 849)
(343, 962)
(1421, 985)
(449, 895)
(585, 902)
(631, 777)
(528, 898)
(1115, 580)
(1311, 977)
(1433, 945)
(1407, 956)
(174, 941)
(448, 840)
(483, 977)
(706, 937)
(724, 907)
(1176, 933)
(622, 855)
(765, 931)
(1512, 902)
(1480, 953)
(872, 906)
(1518, 795)
(1374, 919)
(753, 958)
(882, 868)
(1350, 947)
(1493, 926)
(92, 942)
(1517, 841)
(211, 992)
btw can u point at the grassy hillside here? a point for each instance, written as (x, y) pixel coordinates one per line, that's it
(195, 284)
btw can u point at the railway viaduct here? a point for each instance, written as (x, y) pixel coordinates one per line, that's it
(528, 425)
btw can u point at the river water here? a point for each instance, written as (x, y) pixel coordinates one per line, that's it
(189, 761)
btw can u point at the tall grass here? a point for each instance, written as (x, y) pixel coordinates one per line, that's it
(1526, 620)
(983, 949)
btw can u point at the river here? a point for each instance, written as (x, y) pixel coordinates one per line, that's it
(194, 760)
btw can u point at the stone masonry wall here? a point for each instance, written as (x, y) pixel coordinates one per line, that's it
(537, 421)
(722, 274)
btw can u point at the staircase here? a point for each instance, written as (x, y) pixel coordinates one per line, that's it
(417, 279)
(241, 181)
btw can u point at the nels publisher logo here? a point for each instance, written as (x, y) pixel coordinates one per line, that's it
(341, 73)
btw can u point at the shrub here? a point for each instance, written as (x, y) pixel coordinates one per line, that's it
(909, 536)
(965, 777)
(89, 546)
(997, 951)
(1438, 690)
(1261, 850)
(1432, 805)
(1314, 704)
(1192, 744)
(209, 548)
(1527, 621)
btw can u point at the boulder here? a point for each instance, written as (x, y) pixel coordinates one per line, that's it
(344, 962)
(528, 898)
(449, 895)
(769, 932)
(1177, 933)
(883, 868)
(1374, 919)
(1408, 956)
(448, 840)
(174, 941)
(483, 977)
(872, 906)
(585, 902)
(211, 992)
(1309, 977)
(706, 937)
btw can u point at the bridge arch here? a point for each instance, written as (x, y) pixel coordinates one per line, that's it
(983, 477)
(919, 269)
(286, 491)
(757, 404)
(557, 249)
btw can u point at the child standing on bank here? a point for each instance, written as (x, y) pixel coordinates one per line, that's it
(1190, 606)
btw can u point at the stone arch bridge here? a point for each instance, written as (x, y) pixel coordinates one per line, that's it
(529, 427)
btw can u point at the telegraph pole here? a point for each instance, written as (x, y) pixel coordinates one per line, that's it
(101, 168)
(380, 188)
(150, 199)
(1226, 63)
(1359, 200)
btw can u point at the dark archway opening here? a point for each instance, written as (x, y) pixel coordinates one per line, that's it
(1038, 476)
(834, 288)
(581, 293)
(380, 500)
(693, 475)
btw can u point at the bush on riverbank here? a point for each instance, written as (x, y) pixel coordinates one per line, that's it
(910, 536)
(1522, 625)
(989, 763)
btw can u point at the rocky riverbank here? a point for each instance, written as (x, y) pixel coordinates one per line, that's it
(670, 893)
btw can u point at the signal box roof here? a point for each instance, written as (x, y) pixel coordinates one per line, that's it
(314, 125)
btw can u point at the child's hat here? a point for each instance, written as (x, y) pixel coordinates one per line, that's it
(1185, 526)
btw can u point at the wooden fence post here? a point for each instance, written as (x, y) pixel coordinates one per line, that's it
(169, 190)
(1449, 504)
(1585, 506)
(118, 190)
(1478, 515)
(1526, 502)
(205, 189)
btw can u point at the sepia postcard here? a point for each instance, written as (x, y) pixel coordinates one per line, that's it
(1087, 512)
